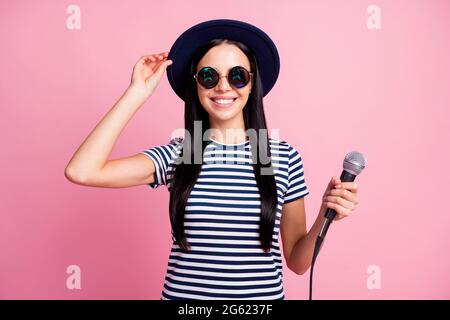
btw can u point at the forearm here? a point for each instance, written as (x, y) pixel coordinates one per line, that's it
(301, 255)
(96, 148)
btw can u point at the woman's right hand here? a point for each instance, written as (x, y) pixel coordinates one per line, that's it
(148, 71)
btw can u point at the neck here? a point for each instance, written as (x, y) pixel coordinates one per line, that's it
(229, 131)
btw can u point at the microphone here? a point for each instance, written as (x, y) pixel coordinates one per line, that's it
(354, 164)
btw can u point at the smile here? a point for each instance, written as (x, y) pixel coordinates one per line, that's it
(223, 102)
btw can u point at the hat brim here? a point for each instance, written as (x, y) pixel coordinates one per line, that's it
(258, 41)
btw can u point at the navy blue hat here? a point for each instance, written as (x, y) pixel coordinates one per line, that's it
(258, 41)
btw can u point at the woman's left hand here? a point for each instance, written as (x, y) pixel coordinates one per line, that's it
(341, 196)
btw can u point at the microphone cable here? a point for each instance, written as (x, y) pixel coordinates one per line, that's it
(317, 246)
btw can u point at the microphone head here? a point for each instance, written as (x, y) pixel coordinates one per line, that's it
(354, 162)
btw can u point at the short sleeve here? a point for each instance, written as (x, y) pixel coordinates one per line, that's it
(297, 187)
(163, 157)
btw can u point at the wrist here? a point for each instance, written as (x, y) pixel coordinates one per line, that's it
(138, 93)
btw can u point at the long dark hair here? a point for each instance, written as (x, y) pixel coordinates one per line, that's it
(185, 174)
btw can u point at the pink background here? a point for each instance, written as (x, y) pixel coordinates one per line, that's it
(342, 87)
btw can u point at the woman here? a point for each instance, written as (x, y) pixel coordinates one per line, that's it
(233, 189)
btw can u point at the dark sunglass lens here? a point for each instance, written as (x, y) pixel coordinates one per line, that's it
(208, 77)
(238, 77)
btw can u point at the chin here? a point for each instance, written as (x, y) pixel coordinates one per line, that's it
(223, 116)
(224, 113)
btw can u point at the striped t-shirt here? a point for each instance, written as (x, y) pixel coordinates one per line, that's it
(226, 260)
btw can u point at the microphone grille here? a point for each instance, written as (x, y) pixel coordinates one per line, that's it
(354, 162)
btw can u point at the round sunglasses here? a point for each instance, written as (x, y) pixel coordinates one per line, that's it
(238, 77)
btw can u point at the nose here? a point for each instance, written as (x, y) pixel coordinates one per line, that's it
(223, 84)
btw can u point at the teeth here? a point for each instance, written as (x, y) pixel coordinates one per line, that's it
(223, 101)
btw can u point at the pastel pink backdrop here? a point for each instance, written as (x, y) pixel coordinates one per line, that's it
(342, 87)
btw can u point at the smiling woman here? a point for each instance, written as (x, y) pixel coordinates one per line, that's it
(228, 210)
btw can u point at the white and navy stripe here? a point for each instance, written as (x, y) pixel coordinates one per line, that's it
(226, 260)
